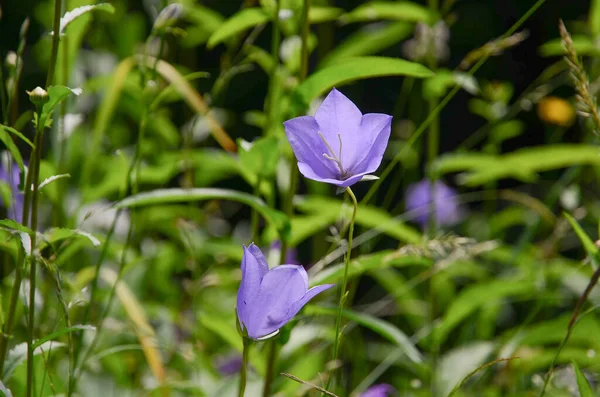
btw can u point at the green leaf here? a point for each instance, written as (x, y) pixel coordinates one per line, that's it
(473, 297)
(585, 389)
(18, 354)
(584, 45)
(377, 325)
(56, 94)
(12, 148)
(61, 332)
(367, 216)
(56, 234)
(176, 195)
(15, 226)
(587, 242)
(259, 157)
(367, 263)
(318, 14)
(356, 68)
(18, 134)
(4, 391)
(72, 15)
(237, 23)
(399, 11)
(460, 364)
(436, 86)
(369, 40)
(523, 164)
(594, 18)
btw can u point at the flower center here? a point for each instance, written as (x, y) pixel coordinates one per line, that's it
(344, 174)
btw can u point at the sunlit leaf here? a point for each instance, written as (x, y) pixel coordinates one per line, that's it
(356, 68)
(70, 16)
(237, 23)
(400, 10)
(585, 389)
(369, 40)
(175, 195)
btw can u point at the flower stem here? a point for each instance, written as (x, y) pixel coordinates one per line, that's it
(244, 368)
(271, 361)
(338, 320)
(35, 171)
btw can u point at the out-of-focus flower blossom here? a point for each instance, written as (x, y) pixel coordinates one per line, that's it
(339, 145)
(291, 255)
(419, 197)
(268, 299)
(14, 209)
(229, 365)
(381, 390)
(428, 40)
(556, 111)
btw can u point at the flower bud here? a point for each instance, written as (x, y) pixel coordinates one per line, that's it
(11, 60)
(39, 96)
(168, 16)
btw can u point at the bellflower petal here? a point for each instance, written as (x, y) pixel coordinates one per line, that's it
(303, 135)
(267, 300)
(254, 268)
(381, 390)
(339, 145)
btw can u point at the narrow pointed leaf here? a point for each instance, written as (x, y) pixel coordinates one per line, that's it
(356, 68)
(585, 390)
(237, 23)
(399, 11)
(72, 15)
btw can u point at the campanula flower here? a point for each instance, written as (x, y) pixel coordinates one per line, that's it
(339, 145)
(447, 208)
(12, 177)
(381, 390)
(268, 299)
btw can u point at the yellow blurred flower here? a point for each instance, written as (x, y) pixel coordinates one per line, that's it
(556, 111)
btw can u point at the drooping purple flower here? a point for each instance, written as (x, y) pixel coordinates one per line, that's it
(381, 390)
(418, 199)
(339, 145)
(14, 209)
(268, 299)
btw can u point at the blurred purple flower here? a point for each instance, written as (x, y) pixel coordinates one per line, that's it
(339, 145)
(12, 177)
(418, 199)
(268, 299)
(381, 390)
(291, 255)
(229, 365)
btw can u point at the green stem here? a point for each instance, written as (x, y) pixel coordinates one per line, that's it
(338, 319)
(273, 85)
(55, 41)
(305, 37)
(244, 368)
(33, 266)
(271, 363)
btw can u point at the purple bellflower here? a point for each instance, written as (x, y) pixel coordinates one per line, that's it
(339, 145)
(268, 299)
(447, 208)
(12, 177)
(381, 390)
